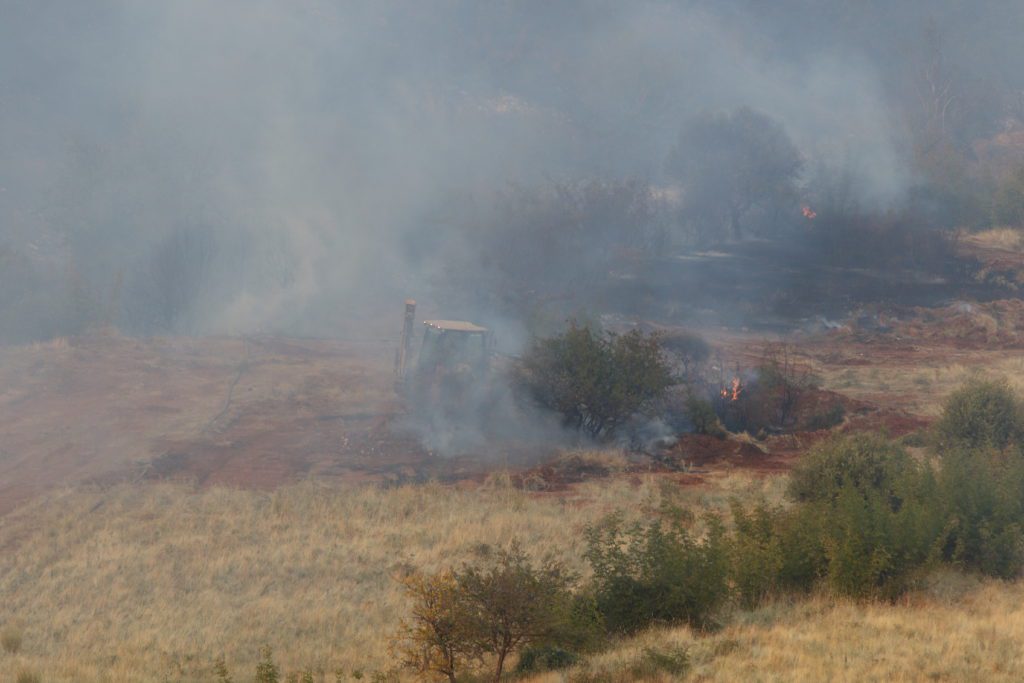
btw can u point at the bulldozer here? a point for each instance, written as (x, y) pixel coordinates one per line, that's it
(448, 369)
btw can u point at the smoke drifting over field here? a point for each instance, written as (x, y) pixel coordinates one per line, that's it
(228, 167)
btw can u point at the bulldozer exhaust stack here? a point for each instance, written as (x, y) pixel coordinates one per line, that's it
(402, 354)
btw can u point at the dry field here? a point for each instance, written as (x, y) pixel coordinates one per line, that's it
(959, 630)
(151, 583)
(147, 582)
(164, 502)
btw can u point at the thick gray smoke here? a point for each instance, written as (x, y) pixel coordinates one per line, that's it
(290, 165)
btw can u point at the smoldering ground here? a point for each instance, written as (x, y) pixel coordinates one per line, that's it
(324, 150)
(299, 168)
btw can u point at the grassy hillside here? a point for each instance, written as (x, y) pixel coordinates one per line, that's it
(959, 630)
(140, 583)
(153, 582)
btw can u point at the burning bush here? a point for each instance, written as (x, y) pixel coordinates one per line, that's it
(779, 395)
(595, 380)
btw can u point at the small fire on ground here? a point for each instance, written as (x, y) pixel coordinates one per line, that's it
(732, 392)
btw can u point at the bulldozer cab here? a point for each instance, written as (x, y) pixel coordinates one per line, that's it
(452, 344)
(453, 357)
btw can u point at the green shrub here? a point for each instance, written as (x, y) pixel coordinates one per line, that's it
(581, 628)
(545, 658)
(982, 499)
(981, 414)
(774, 551)
(595, 380)
(875, 512)
(266, 670)
(755, 554)
(800, 534)
(10, 640)
(492, 609)
(511, 604)
(703, 417)
(867, 463)
(657, 574)
(827, 418)
(874, 549)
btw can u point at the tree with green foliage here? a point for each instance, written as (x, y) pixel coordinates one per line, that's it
(595, 380)
(266, 670)
(657, 573)
(491, 610)
(512, 604)
(863, 462)
(981, 499)
(435, 639)
(981, 414)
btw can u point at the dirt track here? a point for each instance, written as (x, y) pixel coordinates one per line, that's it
(251, 412)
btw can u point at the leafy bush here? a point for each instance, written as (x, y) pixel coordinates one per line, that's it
(703, 417)
(873, 548)
(755, 554)
(491, 609)
(775, 550)
(867, 463)
(595, 380)
(981, 414)
(266, 670)
(827, 418)
(436, 639)
(510, 604)
(657, 574)
(981, 496)
(545, 658)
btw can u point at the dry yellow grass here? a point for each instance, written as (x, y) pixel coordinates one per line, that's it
(152, 582)
(973, 635)
(1011, 239)
(923, 386)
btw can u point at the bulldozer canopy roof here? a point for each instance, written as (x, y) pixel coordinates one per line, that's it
(454, 325)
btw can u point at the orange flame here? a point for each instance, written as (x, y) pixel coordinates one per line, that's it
(809, 213)
(732, 392)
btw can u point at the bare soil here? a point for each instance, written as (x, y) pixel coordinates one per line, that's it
(259, 412)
